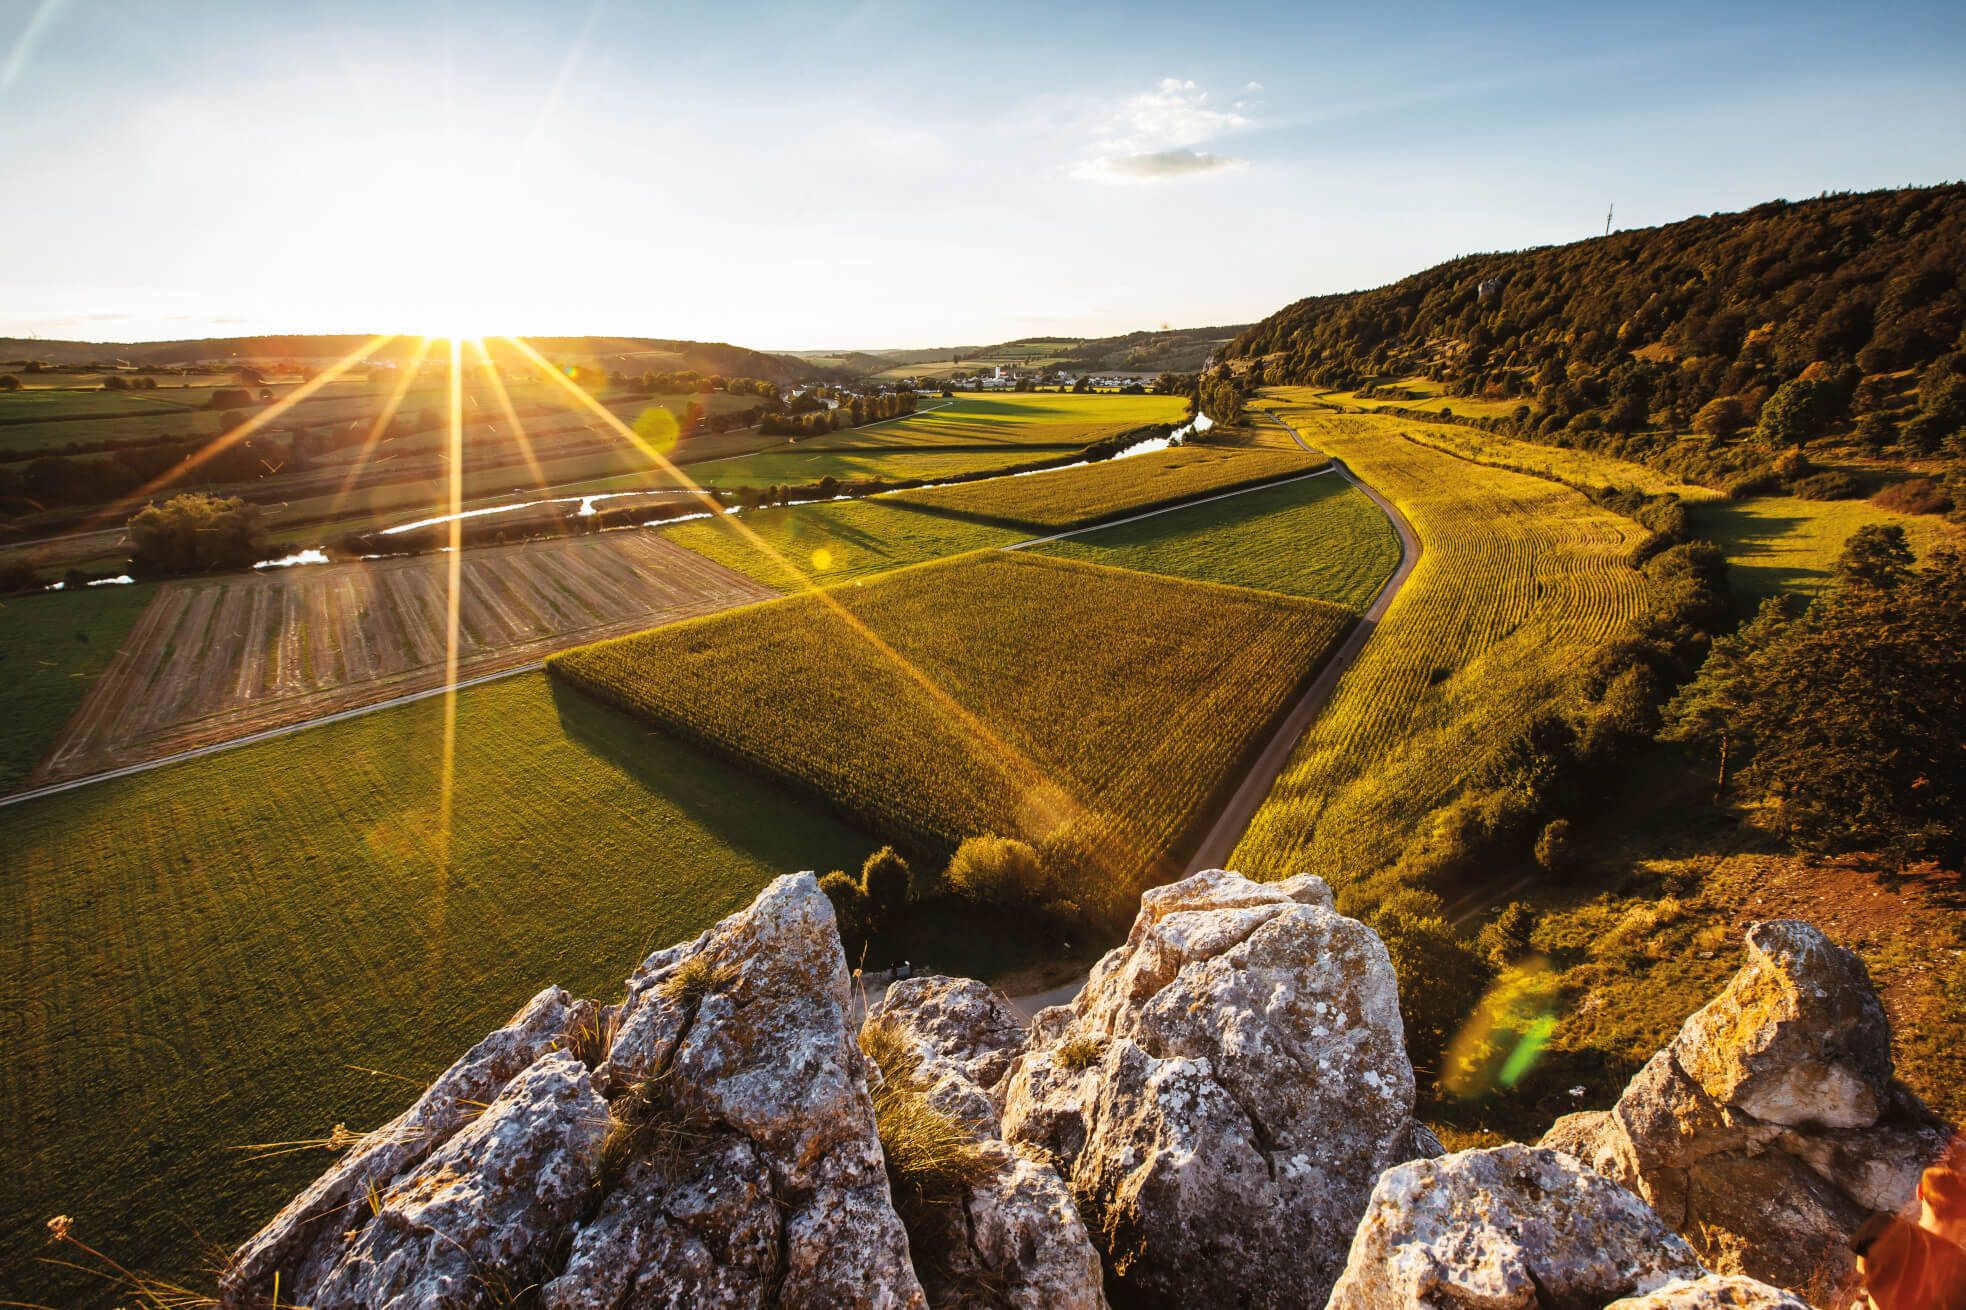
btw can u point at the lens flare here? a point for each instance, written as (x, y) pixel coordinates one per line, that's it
(1506, 1035)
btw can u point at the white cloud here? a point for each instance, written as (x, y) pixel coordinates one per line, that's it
(1152, 166)
(1151, 137)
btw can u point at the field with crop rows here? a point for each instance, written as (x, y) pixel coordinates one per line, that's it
(1319, 537)
(255, 946)
(220, 658)
(1077, 497)
(1519, 580)
(993, 693)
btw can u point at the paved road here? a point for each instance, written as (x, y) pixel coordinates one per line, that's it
(1221, 840)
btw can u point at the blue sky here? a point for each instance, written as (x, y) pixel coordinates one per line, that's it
(888, 174)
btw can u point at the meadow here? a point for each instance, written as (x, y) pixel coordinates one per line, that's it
(1079, 497)
(1100, 711)
(52, 647)
(258, 945)
(788, 548)
(1318, 537)
(1518, 580)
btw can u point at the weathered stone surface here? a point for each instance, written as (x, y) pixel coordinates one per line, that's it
(700, 1230)
(477, 1220)
(1714, 1292)
(309, 1236)
(1798, 1037)
(748, 1031)
(1224, 1091)
(1769, 1129)
(1016, 1234)
(1515, 1226)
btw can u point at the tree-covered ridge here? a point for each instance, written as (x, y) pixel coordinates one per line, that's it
(1648, 327)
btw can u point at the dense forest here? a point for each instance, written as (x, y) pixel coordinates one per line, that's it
(1789, 321)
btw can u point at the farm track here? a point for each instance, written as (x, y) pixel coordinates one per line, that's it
(214, 661)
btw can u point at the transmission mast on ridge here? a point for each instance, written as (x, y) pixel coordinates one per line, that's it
(1607, 217)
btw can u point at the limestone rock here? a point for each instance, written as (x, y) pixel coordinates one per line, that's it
(1015, 1234)
(1515, 1226)
(1224, 1091)
(1798, 1037)
(1714, 1292)
(1769, 1128)
(477, 1220)
(306, 1238)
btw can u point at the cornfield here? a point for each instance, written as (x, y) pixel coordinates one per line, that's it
(1096, 712)
(1074, 497)
(1520, 579)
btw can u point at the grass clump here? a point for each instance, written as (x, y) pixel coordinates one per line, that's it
(1080, 1053)
(695, 978)
(931, 1155)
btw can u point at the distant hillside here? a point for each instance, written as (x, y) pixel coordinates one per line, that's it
(1169, 350)
(1645, 327)
(626, 354)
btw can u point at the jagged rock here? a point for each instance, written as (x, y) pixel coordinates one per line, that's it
(746, 1032)
(1016, 1232)
(1516, 1226)
(1224, 1091)
(1769, 1128)
(698, 1231)
(476, 1221)
(1798, 1037)
(310, 1235)
(1714, 1292)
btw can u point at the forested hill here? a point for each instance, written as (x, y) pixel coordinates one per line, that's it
(620, 354)
(1657, 321)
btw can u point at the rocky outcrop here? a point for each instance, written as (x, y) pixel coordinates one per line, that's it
(1770, 1128)
(1016, 1231)
(709, 1141)
(1514, 1226)
(1224, 1092)
(1714, 1292)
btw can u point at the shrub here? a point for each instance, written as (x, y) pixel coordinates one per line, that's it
(9, 382)
(850, 908)
(885, 880)
(1832, 485)
(1080, 1053)
(1720, 417)
(1791, 465)
(195, 533)
(230, 398)
(1506, 938)
(1439, 975)
(18, 576)
(1554, 852)
(1915, 496)
(998, 871)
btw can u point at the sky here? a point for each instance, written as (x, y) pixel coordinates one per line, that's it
(885, 174)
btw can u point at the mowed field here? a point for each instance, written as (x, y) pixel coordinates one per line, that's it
(220, 658)
(258, 945)
(1519, 579)
(52, 647)
(1013, 419)
(1319, 537)
(1098, 710)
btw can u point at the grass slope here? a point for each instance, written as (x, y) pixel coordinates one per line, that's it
(197, 957)
(51, 649)
(1518, 579)
(1320, 537)
(995, 693)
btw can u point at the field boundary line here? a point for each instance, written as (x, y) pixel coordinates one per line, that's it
(1169, 509)
(1241, 807)
(269, 734)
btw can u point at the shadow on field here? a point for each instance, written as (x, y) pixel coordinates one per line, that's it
(744, 812)
(966, 516)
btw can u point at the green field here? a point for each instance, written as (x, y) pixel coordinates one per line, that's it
(196, 956)
(1014, 419)
(1076, 497)
(52, 646)
(833, 541)
(994, 693)
(1320, 537)
(1519, 580)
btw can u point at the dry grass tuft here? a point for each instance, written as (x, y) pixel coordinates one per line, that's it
(931, 1155)
(695, 978)
(1080, 1053)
